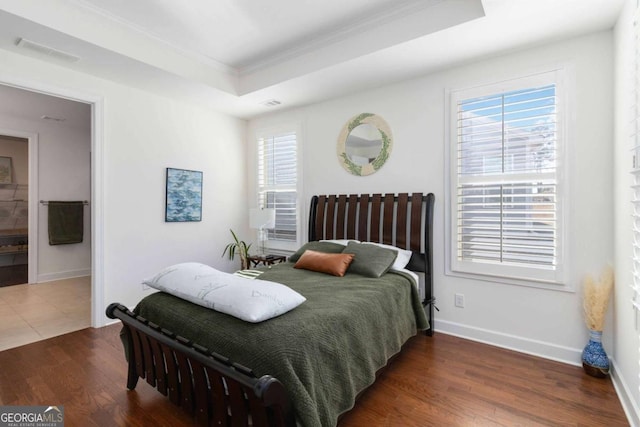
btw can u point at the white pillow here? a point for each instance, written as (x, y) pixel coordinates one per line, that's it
(250, 300)
(343, 242)
(403, 258)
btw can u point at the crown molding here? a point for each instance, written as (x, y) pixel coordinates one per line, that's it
(197, 56)
(304, 46)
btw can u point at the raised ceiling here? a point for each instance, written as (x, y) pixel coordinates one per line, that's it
(244, 34)
(231, 55)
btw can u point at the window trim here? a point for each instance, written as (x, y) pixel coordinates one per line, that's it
(270, 244)
(557, 280)
(634, 136)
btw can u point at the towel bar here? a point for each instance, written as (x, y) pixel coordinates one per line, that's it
(44, 202)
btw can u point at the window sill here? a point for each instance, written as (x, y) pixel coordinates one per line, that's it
(281, 246)
(530, 283)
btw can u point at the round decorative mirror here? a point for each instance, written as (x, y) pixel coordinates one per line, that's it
(364, 144)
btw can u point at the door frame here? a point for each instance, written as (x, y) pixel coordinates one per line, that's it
(98, 318)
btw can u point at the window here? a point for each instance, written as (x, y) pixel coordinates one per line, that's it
(277, 186)
(505, 196)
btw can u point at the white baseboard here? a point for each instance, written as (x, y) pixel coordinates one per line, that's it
(546, 350)
(110, 322)
(48, 277)
(624, 394)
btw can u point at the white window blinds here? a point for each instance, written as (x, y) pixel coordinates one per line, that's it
(277, 183)
(505, 181)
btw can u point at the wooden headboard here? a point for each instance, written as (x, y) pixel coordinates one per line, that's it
(403, 220)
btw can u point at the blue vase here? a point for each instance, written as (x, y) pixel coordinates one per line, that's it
(594, 359)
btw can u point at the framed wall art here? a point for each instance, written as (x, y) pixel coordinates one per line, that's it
(183, 195)
(6, 170)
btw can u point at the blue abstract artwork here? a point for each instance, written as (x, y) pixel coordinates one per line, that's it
(184, 195)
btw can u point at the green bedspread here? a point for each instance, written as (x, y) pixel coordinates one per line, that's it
(325, 351)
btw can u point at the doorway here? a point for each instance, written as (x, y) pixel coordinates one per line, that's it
(57, 133)
(96, 103)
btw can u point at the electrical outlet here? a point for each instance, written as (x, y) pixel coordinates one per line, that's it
(459, 300)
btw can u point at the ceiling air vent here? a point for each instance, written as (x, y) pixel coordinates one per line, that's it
(54, 119)
(46, 50)
(271, 103)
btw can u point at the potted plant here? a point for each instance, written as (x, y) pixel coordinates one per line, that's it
(238, 247)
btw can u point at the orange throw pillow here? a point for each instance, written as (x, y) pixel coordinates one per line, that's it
(335, 264)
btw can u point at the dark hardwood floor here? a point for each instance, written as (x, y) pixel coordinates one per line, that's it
(437, 381)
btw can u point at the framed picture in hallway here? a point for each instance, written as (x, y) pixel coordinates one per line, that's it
(183, 195)
(6, 171)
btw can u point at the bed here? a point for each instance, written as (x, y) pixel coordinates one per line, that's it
(307, 366)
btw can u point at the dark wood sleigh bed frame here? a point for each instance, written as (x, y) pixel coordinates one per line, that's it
(217, 391)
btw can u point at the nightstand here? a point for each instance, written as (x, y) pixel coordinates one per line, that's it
(266, 259)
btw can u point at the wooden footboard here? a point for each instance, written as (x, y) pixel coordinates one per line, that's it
(207, 385)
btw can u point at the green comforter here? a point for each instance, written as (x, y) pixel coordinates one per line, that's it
(325, 351)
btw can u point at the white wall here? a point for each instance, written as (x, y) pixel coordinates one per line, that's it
(544, 322)
(625, 351)
(63, 174)
(142, 135)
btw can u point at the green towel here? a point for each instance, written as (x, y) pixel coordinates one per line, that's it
(66, 222)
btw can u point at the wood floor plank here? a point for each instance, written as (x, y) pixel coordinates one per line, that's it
(436, 381)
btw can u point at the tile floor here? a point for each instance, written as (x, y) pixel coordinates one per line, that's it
(30, 313)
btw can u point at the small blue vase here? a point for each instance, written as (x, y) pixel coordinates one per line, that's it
(594, 359)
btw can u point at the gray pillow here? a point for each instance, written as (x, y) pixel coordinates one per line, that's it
(326, 247)
(370, 260)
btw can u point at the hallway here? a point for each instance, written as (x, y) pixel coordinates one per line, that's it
(30, 313)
